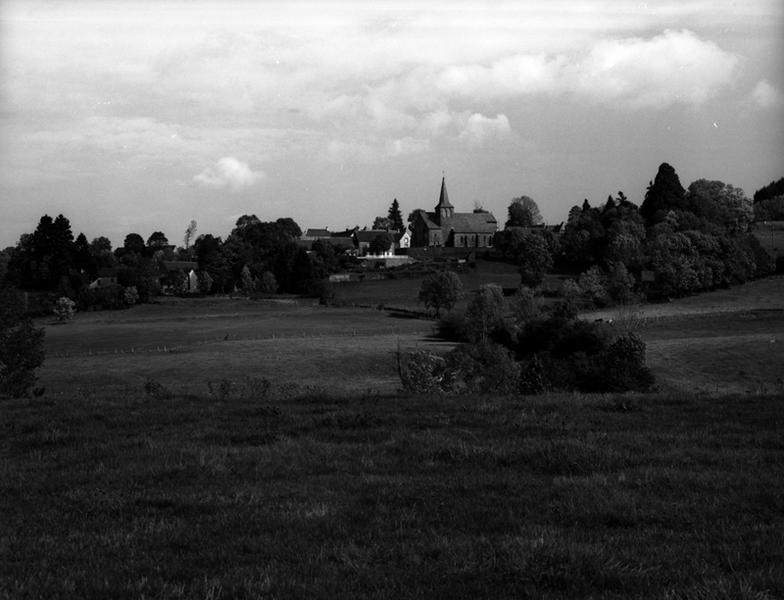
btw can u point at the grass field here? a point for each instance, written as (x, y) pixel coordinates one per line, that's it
(132, 478)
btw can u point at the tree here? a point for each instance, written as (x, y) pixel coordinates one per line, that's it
(664, 193)
(720, 203)
(485, 312)
(134, 243)
(380, 244)
(441, 290)
(384, 223)
(523, 212)
(396, 216)
(64, 309)
(190, 232)
(157, 240)
(772, 190)
(533, 258)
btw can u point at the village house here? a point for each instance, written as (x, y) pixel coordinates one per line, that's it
(445, 227)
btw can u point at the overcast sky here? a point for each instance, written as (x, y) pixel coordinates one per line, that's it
(132, 116)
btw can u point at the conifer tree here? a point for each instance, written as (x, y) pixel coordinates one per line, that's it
(396, 216)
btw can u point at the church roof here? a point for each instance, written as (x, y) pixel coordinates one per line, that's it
(443, 200)
(472, 223)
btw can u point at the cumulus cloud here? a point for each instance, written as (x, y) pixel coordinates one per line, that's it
(479, 129)
(764, 95)
(228, 172)
(676, 67)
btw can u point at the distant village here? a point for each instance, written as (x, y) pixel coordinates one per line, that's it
(443, 227)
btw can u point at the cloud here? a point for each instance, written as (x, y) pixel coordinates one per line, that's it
(407, 145)
(676, 67)
(479, 129)
(764, 95)
(230, 173)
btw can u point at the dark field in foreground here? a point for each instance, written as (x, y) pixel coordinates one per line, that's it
(323, 496)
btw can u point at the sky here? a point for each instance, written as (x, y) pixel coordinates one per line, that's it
(140, 116)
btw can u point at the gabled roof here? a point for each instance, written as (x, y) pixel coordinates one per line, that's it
(317, 233)
(472, 223)
(398, 235)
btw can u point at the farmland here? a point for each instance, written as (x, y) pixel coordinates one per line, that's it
(158, 463)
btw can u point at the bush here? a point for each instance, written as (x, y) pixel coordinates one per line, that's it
(108, 297)
(64, 309)
(131, 295)
(480, 368)
(21, 346)
(421, 372)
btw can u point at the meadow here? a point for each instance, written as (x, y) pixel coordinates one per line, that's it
(227, 448)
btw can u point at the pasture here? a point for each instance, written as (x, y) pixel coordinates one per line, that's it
(131, 477)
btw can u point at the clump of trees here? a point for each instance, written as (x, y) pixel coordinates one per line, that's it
(769, 202)
(684, 240)
(525, 349)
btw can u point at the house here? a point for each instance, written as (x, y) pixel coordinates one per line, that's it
(445, 227)
(316, 234)
(180, 276)
(106, 277)
(402, 240)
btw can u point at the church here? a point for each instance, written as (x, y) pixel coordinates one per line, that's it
(445, 227)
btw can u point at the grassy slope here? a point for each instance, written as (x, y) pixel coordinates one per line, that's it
(392, 497)
(724, 341)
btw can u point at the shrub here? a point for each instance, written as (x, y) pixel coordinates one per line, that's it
(594, 285)
(21, 346)
(525, 306)
(131, 295)
(155, 389)
(421, 372)
(64, 309)
(108, 297)
(268, 284)
(480, 368)
(452, 327)
(533, 377)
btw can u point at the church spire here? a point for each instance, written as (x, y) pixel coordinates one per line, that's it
(444, 210)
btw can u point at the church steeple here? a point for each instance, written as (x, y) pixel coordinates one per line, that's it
(444, 210)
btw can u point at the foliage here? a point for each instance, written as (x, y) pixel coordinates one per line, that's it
(523, 212)
(769, 209)
(380, 244)
(247, 280)
(441, 290)
(773, 190)
(21, 346)
(268, 284)
(157, 239)
(107, 297)
(485, 313)
(205, 282)
(720, 203)
(525, 305)
(64, 309)
(593, 284)
(481, 368)
(421, 372)
(383, 223)
(131, 295)
(156, 390)
(190, 234)
(529, 250)
(663, 194)
(396, 217)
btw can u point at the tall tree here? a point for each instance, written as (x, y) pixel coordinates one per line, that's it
(523, 212)
(665, 193)
(396, 216)
(190, 234)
